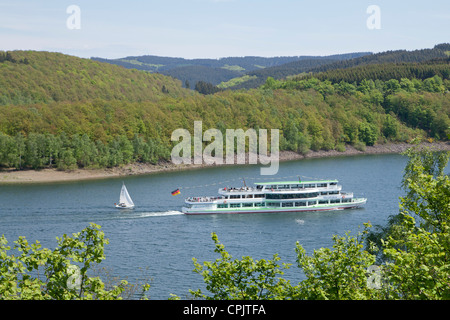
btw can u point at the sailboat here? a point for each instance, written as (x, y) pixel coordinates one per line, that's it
(125, 201)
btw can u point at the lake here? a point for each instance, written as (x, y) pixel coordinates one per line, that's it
(157, 239)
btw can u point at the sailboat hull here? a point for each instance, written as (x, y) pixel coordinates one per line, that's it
(124, 207)
(125, 199)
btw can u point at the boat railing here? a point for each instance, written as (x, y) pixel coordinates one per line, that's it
(252, 189)
(242, 189)
(204, 199)
(347, 194)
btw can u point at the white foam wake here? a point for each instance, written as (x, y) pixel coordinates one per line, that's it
(158, 214)
(145, 214)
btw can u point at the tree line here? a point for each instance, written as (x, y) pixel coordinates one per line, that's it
(311, 115)
(388, 71)
(39, 150)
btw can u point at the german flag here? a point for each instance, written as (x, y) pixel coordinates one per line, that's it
(175, 192)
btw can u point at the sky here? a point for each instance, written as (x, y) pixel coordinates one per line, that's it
(221, 28)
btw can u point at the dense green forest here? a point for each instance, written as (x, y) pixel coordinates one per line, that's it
(256, 78)
(334, 67)
(216, 71)
(251, 72)
(66, 112)
(388, 71)
(28, 77)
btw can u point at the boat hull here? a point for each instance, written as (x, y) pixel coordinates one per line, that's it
(353, 205)
(124, 207)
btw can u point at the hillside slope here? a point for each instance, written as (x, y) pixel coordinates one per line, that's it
(66, 112)
(216, 71)
(41, 77)
(364, 64)
(392, 56)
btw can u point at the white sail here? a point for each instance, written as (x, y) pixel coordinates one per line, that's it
(125, 199)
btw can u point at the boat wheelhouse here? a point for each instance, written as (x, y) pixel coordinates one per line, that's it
(286, 196)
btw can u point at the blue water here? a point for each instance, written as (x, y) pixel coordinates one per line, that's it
(155, 235)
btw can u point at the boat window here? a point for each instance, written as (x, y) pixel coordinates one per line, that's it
(235, 205)
(333, 183)
(222, 206)
(273, 204)
(324, 193)
(259, 196)
(247, 204)
(311, 203)
(259, 204)
(235, 196)
(249, 196)
(287, 204)
(300, 204)
(321, 185)
(323, 201)
(292, 195)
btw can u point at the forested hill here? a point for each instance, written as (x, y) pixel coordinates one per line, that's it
(388, 71)
(215, 71)
(394, 56)
(28, 77)
(421, 64)
(160, 64)
(67, 112)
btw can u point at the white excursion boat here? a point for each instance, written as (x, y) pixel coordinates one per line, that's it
(125, 201)
(287, 196)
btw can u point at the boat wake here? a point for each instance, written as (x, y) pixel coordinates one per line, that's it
(138, 215)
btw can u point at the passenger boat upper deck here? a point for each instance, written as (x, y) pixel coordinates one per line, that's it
(275, 197)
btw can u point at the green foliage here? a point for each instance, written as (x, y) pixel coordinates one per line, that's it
(390, 127)
(44, 77)
(417, 254)
(367, 133)
(339, 273)
(387, 65)
(39, 273)
(419, 267)
(204, 87)
(65, 112)
(428, 188)
(244, 279)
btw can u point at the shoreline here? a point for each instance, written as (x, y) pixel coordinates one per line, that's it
(49, 175)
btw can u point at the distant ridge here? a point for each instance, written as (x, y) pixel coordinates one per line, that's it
(252, 71)
(392, 56)
(216, 71)
(383, 66)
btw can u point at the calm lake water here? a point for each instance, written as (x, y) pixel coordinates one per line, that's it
(155, 235)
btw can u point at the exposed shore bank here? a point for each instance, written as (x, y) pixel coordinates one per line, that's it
(50, 175)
